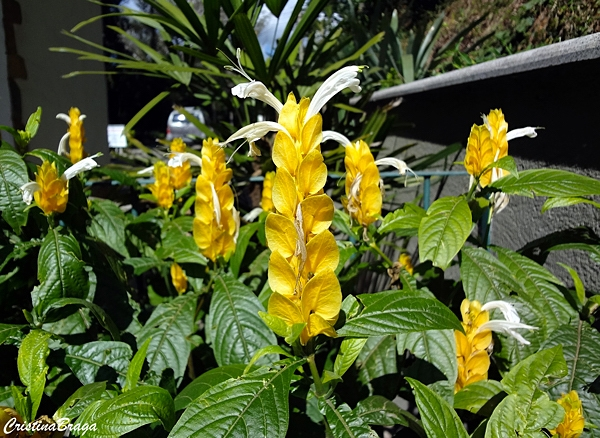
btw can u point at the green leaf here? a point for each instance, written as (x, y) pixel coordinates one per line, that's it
(79, 400)
(13, 174)
(476, 395)
(169, 327)
(274, 350)
(129, 411)
(392, 312)
(350, 348)
(135, 367)
(31, 363)
(438, 417)
(506, 163)
(444, 230)
(246, 34)
(276, 6)
(8, 331)
(484, 277)
(244, 236)
(580, 343)
(185, 251)
(109, 225)
(233, 325)
(435, 346)
(579, 288)
(206, 381)
(404, 221)
(60, 271)
(538, 286)
(381, 411)
(548, 182)
(89, 361)
(566, 202)
(143, 264)
(252, 405)
(33, 122)
(343, 422)
(141, 113)
(377, 359)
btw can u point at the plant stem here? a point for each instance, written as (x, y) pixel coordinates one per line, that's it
(385, 258)
(319, 389)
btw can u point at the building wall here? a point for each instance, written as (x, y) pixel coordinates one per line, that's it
(40, 29)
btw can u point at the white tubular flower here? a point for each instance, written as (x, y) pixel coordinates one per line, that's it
(146, 171)
(236, 218)
(252, 214)
(257, 90)
(255, 131)
(521, 132)
(335, 136)
(28, 190)
(62, 144)
(508, 326)
(216, 203)
(343, 78)
(178, 158)
(81, 166)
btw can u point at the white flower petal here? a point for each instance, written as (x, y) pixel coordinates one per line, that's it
(236, 218)
(216, 203)
(146, 171)
(253, 151)
(179, 158)
(252, 214)
(82, 117)
(335, 136)
(255, 131)
(62, 144)
(395, 162)
(508, 328)
(257, 90)
(63, 116)
(28, 190)
(521, 132)
(507, 309)
(343, 78)
(81, 166)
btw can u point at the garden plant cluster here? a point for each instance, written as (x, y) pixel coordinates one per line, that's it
(176, 315)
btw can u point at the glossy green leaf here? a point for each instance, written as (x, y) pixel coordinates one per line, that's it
(579, 288)
(235, 329)
(484, 277)
(566, 202)
(129, 411)
(60, 271)
(444, 230)
(439, 418)
(475, 395)
(380, 411)
(206, 381)
(169, 327)
(548, 182)
(7, 331)
(244, 236)
(79, 400)
(435, 346)
(255, 404)
(580, 343)
(135, 367)
(506, 163)
(392, 312)
(350, 348)
(33, 122)
(377, 359)
(538, 287)
(343, 422)
(404, 221)
(143, 264)
(88, 361)
(13, 174)
(276, 6)
(108, 225)
(31, 363)
(246, 34)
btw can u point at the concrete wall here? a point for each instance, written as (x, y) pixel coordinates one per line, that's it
(562, 96)
(42, 22)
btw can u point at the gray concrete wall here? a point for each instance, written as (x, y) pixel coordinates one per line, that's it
(4, 93)
(42, 22)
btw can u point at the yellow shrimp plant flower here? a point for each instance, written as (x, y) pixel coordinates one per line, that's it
(266, 201)
(472, 346)
(75, 135)
(162, 188)
(51, 191)
(573, 422)
(181, 175)
(178, 278)
(304, 253)
(217, 222)
(405, 262)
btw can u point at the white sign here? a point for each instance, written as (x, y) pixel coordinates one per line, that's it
(116, 139)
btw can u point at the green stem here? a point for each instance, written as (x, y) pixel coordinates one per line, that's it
(472, 189)
(319, 388)
(385, 258)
